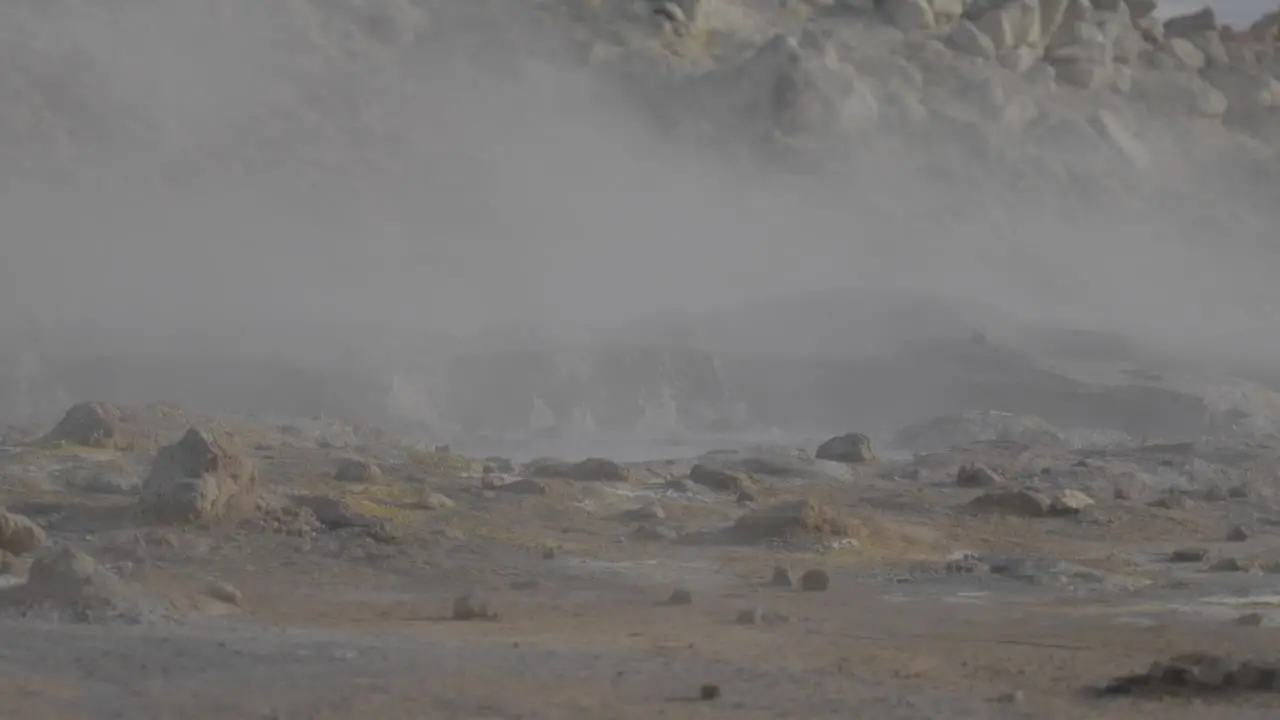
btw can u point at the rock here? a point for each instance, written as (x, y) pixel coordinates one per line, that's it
(1186, 53)
(436, 501)
(223, 591)
(1250, 620)
(200, 477)
(1024, 503)
(968, 39)
(1232, 565)
(911, 15)
(787, 519)
(727, 481)
(815, 581)
(1204, 20)
(1011, 24)
(1019, 59)
(94, 425)
(1069, 502)
(522, 486)
(472, 605)
(708, 693)
(977, 476)
(648, 511)
(19, 535)
(333, 513)
(1189, 555)
(752, 616)
(357, 471)
(680, 597)
(781, 577)
(1237, 534)
(848, 448)
(500, 464)
(588, 470)
(656, 533)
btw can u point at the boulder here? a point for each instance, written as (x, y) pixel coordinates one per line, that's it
(977, 476)
(1023, 503)
(18, 534)
(1069, 502)
(1203, 20)
(1012, 24)
(911, 15)
(967, 38)
(1186, 53)
(726, 481)
(357, 471)
(791, 518)
(94, 425)
(203, 476)
(848, 448)
(815, 581)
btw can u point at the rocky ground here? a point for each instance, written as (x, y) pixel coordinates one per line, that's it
(165, 565)
(1092, 547)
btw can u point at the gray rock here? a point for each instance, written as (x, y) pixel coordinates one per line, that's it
(680, 596)
(357, 471)
(726, 481)
(1186, 53)
(1024, 503)
(472, 605)
(852, 448)
(967, 38)
(781, 577)
(203, 476)
(1069, 502)
(977, 476)
(1238, 534)
(815, 581)
(1189, 555)
(911, 15)
(19, 535)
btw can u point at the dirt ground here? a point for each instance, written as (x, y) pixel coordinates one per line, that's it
(933, 611)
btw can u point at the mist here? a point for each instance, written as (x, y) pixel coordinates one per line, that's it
(292, 179)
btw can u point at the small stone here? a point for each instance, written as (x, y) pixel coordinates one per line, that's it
(1249, 620)
(19, 535)
(1237, 534)
(472, 606)
(656, 533)
(648, 511)
(548, 553)
(745, 498)
(436, 501)
(977, 476)
(1238, 492)
(680, 597)
(709, 692)
(1070, 502)
(523, 486)
(1189, 555)
(719, 480)
(1010, 698)
(357, 471)
(223, 591)
(1215, 494)
(1230, 565)
(750, 616)
(782, 577)
(815, 581)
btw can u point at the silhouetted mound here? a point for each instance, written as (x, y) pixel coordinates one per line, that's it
(95, 425)
(1198, 674)
(789, 519)
(68, 585)
(18, 534)
(848, 448)
(200, 477)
